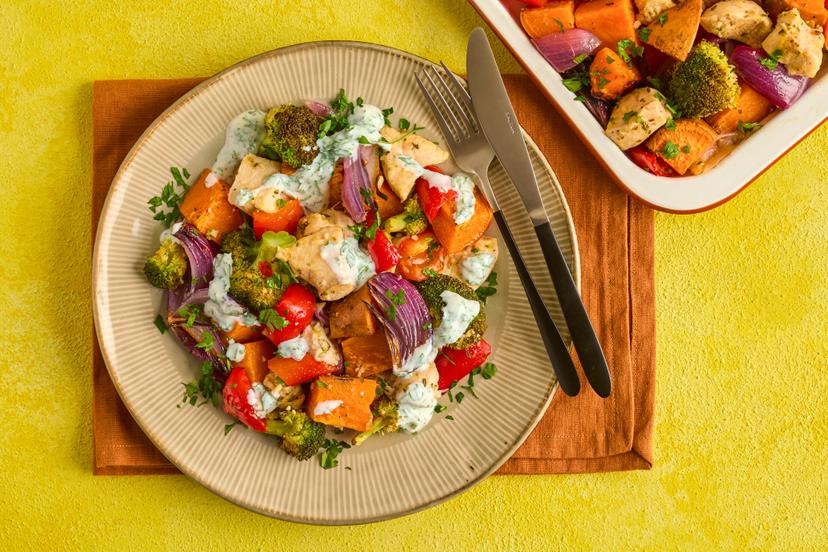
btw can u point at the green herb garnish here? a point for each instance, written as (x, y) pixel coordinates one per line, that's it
(171, 196)
(662, 19)
(577, 60)
(644, 33)
(489, 370)
(272, 319)
(205, 386)
(772, 60)
(489, 289)
(747, 128)
(206, 342)
(333, 448)
(159, 323)
(670, 150)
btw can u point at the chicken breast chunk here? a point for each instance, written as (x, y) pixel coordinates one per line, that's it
(636, 116)
(246, 192)
(796, 44)
(399, 171)
(741, 20)
(648, 10)
(474, 263)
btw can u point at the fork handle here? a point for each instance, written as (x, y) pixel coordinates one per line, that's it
(556, 349)
(580, 328)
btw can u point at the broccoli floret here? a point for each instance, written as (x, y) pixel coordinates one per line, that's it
(299, 436)
(431, 289)
(411, 221)
(705, 83)
(290, 135)
(385, 412)
(247, 283)
(166, 267)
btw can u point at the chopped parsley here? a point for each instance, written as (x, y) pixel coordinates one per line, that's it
(747, 128)
(450, 418)
(644, 33)
(488, 371)
(321, 384)
(670, 150)
(272, 319)
(656, 82)
(386, 113)
(560, 24)
(685, 149)
(430, 272)
(459, 396)
(581, 58)
(159, 323)
(338, 120)
(206, 342)
(333, 448)
(229, 427)
(662, 19)
(191, 313)
(205, 387)
(396, 299)
(629, 115)
(171, 196)
(440, 408)
(486, 291)
(772, 60)
(670, 124)
(628, 49)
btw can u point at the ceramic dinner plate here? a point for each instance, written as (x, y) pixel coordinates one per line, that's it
(387, 476)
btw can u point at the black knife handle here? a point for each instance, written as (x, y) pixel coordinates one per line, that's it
(580, 328)
(552, 340)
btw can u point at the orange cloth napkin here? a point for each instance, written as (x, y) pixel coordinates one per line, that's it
(615, 239)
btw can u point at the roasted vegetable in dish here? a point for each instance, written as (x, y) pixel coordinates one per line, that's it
(714, 69)
(289, 268)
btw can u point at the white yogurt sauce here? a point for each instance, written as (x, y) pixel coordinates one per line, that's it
(475, 268)
(416, 407)
(350, 264)
(169, 233)
(309, 184)
(224, 311)
(295, 348)
(458, 312)
(326, 407)
(235, 351)
(244, 135)
(418, 361)
(261, 400)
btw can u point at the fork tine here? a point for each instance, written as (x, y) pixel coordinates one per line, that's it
(463, 93)
(451, 115)
(441, 120)
(458, 110)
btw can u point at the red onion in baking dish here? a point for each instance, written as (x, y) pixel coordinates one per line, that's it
(562, 50)
(775, 84)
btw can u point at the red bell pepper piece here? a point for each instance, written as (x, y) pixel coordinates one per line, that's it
(432, 198)
(382, 251)
(650, 162)
(296, 306)
(285, 219)
(455, 364)
(294, 372)
(235, 400)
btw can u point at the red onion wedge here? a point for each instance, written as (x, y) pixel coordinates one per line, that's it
(319, 109)
(403, 313)
(775, 84)
(356, 184)
(599, 109)
(199, 255)
(567, 49)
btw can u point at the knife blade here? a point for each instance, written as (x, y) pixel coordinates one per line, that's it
(500, 126)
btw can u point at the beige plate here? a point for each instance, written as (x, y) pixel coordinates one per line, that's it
(388, 476)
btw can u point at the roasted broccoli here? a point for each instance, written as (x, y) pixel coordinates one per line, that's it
(431, 289)
(385, 412)
(299, 436)
(705, 83)
(166, 267)
(411, 221)
(290, 135)
(247, 282)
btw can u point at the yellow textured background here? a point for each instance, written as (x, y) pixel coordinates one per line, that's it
(741, 439)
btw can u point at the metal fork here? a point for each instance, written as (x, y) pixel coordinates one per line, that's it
(452, 107)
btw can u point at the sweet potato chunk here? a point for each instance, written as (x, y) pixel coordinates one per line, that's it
(342, 402)
(366, 356)
(350, 317)
(609, 20)
(454, 237)
(387, 201)
(610, 75)
(256, 355)
(555, 17)
(242, 334)
(752, 108)
(674, 31)
(683, 146)
(206, 208)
